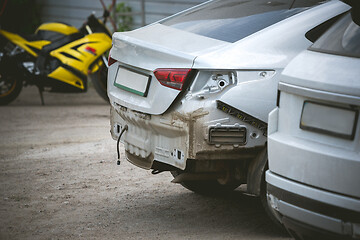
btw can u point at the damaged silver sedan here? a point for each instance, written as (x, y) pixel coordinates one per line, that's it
(191, 93)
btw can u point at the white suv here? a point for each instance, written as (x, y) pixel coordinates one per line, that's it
(314, 138)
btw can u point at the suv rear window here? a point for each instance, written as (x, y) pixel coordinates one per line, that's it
(232, 20)
(343, 38)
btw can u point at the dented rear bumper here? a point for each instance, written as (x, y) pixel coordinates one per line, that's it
(204, 131)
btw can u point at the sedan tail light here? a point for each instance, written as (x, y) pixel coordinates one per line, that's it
(172, 78)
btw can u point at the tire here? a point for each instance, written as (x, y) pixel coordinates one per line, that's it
(206, 187)
(99, 80)
(272, 214)
(10, 88)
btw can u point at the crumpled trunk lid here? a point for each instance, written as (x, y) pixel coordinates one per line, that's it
(133, 84)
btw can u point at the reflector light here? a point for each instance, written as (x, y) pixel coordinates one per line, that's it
(111, 61)
(172, 78)
(90, 50)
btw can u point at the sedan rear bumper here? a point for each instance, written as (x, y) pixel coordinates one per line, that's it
(150, 137)
(201, 132)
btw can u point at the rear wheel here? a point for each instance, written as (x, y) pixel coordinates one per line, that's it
(206, 187)
(99, 80)
(10, 88)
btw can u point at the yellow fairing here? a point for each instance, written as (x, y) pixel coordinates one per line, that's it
(81, 53)
(64, 75)
(95, 67)
(57, 27)
(23, 43)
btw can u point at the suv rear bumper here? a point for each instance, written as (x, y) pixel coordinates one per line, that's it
(308, 211)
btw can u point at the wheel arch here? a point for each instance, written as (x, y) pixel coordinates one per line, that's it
(256, 169)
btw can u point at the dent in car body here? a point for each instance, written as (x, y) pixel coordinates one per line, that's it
(261, 56)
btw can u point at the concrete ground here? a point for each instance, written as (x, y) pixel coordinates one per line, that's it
(59, 180)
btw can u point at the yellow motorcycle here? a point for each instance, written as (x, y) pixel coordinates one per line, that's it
(57, 58)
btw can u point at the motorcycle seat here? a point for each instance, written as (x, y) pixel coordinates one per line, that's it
(43, 35)
(51, 31)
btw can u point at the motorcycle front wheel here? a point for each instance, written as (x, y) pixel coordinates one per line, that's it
(10, 88)
(99, 81)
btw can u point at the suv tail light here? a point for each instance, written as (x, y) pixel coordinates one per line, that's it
(172, 78)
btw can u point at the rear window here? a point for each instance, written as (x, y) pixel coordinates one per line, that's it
(232, 20)
(343, 38)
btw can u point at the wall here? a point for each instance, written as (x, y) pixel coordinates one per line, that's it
(75, 12)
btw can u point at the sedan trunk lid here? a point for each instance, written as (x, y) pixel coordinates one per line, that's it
(142, 51)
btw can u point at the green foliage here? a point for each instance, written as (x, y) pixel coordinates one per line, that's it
(123, 17)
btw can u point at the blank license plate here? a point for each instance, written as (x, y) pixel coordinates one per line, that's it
(131, 81)
(336, 121)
